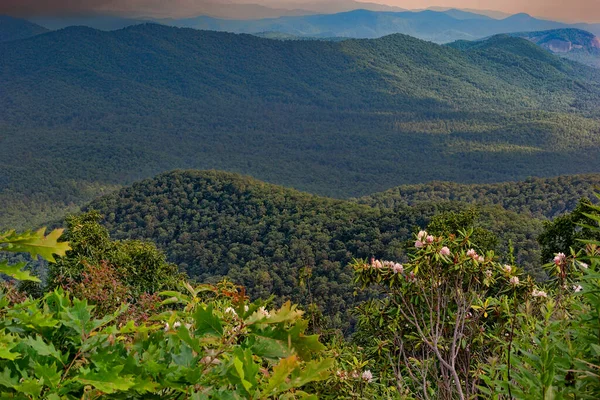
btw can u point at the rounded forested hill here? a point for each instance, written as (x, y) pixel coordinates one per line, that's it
(215, 224)
(539, 197)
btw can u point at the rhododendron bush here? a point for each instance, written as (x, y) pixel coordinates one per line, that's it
(430, 326)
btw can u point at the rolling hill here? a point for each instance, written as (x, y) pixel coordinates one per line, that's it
(216, 224)
(340, 119)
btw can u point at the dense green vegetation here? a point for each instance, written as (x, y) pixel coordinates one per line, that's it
(450, 322)
(537, 197)
(340, 119)
(266, 237)
(206, 342)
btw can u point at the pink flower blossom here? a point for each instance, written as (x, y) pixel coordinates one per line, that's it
(445, 251)
(583, 265)
(367, 376)
(514, 281)
(480, 259)
(418, 244)
(507, 268)
(429, 239)
(538, 293)
(421, 235)
(577, 288)
(559, 258)
(398, 268)
(471, 253)
(488, 273)
(377, 264)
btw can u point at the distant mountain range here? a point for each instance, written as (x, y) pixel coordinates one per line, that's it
(95, 110)
(435, 26)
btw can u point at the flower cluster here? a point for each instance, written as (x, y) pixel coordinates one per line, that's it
(559, 258)
(538, 293)
(394, 266)
(476, 257)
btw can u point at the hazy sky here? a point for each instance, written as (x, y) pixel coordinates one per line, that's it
(569, 10)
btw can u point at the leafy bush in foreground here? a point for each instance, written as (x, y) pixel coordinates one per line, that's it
(211, 344)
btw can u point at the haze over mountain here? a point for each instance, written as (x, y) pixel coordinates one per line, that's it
(337, 118)
(436, 26)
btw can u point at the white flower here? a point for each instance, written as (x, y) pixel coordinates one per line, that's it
(377, 264)
(488, 273)
(398, 268)
(367, 376)
(471, 253)
(230, 310)
(246, 308)
(480, 259)
(559, 258)
(167, 327)
(538, 293)
(421, 235)
(176, 325)
(577, 288)
(514, 281)
(583, 265)
(507, 268)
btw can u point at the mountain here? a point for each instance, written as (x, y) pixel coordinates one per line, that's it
(15, 29)
(436, 26)
(575, 44)
(472, 11)
(216, 224)
(340, 119)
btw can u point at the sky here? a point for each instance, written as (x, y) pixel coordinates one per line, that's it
(563, 10)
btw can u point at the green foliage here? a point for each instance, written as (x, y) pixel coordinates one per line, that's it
(567, 231)
(139, 267)
(34, 243)
(427, 333)
(215, 346)
(536, 197)
(264, 237)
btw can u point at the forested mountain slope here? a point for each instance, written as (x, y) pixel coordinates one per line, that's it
(340, 119)
(216, 224)
(538, 197)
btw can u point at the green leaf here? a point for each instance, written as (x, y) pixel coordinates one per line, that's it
(207, 323)
(43, 348)
(36, 243)
(107, 381)
(277, 381)
(17, 272)
(7, 343)
(6, 380)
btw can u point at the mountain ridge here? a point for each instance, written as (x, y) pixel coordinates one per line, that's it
(305, 114)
